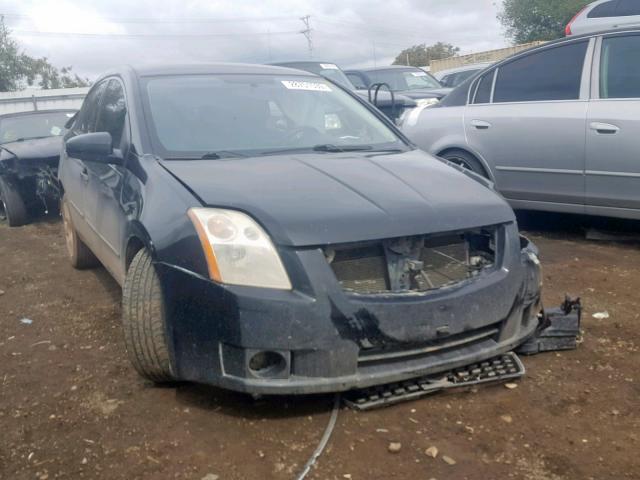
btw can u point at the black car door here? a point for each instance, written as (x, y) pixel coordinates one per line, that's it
(102, 203)
(73, 171)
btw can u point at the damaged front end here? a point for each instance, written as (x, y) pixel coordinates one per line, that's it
(557, 329)
(29, 170)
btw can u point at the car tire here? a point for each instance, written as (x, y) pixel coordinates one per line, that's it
(12, 207)
(80, 255)
(466, 160)
(145, 322)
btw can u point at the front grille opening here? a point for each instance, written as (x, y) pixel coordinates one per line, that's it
(414, 264)
(361, 269)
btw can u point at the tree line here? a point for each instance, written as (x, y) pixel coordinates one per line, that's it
(19, 70)
(524, 21)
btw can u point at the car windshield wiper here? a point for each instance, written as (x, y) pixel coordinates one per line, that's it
(24, 139)
(221, 154)
(328, 147)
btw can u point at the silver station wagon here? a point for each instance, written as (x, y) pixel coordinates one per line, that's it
(556, 128)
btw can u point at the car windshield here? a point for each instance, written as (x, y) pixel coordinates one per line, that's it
(410, 79)
(212, 116)
(36, 125)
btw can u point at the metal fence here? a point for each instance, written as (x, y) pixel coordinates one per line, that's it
(33, 99)
(480, 57)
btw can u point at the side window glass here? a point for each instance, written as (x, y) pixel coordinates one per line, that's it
(628, 8)
(86, 120)
(483, 94)
(357, 81)
(447, 80)
(619, 67)
(553, 74)
(112, 112)
(604, 10)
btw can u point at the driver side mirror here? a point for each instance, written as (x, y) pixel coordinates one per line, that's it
(92, 147)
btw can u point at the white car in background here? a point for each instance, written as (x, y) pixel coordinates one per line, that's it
(453, 77)
(605, 15)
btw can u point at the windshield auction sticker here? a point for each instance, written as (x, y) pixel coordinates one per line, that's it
(419, 74)
(329, 66)
(309, 86)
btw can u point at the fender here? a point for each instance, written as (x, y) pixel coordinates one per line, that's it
(441, 147)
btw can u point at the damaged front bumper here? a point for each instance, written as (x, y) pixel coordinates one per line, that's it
(321, 338)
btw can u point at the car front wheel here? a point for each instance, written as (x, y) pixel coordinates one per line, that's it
(145, 322)
(466, 160)
(12, 206)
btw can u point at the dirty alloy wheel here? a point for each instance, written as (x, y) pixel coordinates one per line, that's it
(80, 255)
(13, 211)
(465, 160)
(144, 320)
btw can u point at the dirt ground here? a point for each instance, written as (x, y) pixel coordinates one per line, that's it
(72, 407)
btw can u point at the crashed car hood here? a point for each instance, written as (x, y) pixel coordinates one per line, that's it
(39, 149)
(322, 199)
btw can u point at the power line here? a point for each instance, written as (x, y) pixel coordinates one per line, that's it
(152, 20)
(34, 33)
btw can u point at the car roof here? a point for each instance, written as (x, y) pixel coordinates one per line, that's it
(564, 40)
(387, 67)
(464, 68)
(213, 68)
(301, 62)
(37, 112)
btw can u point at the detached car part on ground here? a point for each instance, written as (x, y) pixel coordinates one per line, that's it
(391, 104)
(275, 234)
(30, 144)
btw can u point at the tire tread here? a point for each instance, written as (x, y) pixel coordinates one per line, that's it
(144, 321)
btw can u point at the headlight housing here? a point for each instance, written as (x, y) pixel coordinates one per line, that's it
(427, 102)
(238, 250)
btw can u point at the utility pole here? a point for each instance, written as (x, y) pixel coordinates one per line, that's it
(407, 59)
(307, 33)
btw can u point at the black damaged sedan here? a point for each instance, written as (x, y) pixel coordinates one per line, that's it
(275, 234)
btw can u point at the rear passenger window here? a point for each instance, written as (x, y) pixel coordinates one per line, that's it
(552, 74)
(619, 67)
(606, 9)
(628, 8)
(483, 94)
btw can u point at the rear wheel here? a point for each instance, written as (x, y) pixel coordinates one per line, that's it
(80, 255)
(466, 160)
(13, 210)
(145, 322)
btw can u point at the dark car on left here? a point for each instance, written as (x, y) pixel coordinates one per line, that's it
(30, 145)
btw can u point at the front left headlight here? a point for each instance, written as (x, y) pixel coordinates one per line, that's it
(238, 250)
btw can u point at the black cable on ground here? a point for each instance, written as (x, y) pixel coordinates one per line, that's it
(323, 441)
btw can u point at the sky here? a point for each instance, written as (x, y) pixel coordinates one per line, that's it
(95, 35)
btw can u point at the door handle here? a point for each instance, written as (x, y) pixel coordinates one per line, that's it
(84, 174)
(481, 124)
(604, 128)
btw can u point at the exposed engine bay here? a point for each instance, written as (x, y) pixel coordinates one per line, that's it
(414, 264)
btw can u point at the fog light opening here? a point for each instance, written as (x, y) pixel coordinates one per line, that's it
(267, 364)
